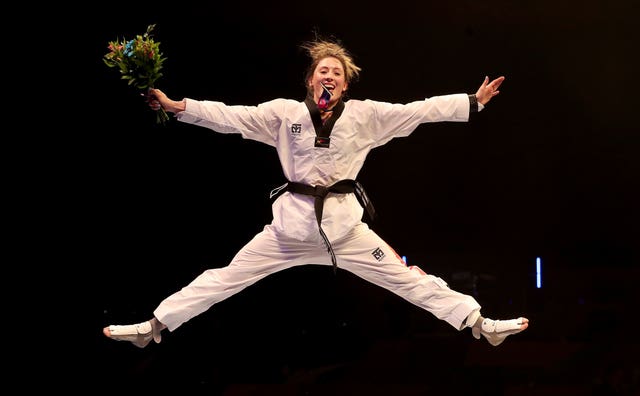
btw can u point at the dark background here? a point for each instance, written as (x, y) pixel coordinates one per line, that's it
(549, 169)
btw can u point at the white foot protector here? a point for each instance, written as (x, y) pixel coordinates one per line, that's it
(495, 331)
(138, 334)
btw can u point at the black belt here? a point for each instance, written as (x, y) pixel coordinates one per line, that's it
(320, 192)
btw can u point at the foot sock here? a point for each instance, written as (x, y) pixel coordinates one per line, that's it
(139, 334)
(496, 331)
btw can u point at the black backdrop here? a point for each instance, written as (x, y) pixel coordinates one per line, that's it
(548, 170)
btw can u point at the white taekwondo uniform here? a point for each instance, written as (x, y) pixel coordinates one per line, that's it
(293, 236)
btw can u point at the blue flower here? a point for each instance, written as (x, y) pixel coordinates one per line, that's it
(128, 49)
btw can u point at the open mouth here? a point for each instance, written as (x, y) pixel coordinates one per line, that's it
(328, 88)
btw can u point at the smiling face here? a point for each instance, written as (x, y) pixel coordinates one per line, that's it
(329, 72)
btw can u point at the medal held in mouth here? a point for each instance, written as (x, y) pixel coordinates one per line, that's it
(323, 102)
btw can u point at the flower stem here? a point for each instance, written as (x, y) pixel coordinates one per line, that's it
(161, 116)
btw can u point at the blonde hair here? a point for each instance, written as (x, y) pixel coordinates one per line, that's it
(319, 49)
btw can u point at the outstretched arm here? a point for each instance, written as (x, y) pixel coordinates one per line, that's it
(488, 90)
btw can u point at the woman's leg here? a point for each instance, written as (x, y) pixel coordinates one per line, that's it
(265, 254)
(368, 256)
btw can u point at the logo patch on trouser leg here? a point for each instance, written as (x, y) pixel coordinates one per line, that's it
(378, 254)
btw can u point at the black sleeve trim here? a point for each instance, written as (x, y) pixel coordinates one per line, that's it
(473, 104)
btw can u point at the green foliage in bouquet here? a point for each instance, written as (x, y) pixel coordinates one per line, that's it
(140, 63)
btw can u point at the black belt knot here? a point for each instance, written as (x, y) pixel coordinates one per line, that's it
(320, 191)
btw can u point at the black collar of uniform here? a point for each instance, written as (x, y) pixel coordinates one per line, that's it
(323, 130)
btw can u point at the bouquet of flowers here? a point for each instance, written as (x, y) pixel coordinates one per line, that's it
(139, 61)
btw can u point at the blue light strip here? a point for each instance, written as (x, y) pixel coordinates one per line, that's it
(538, 273)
